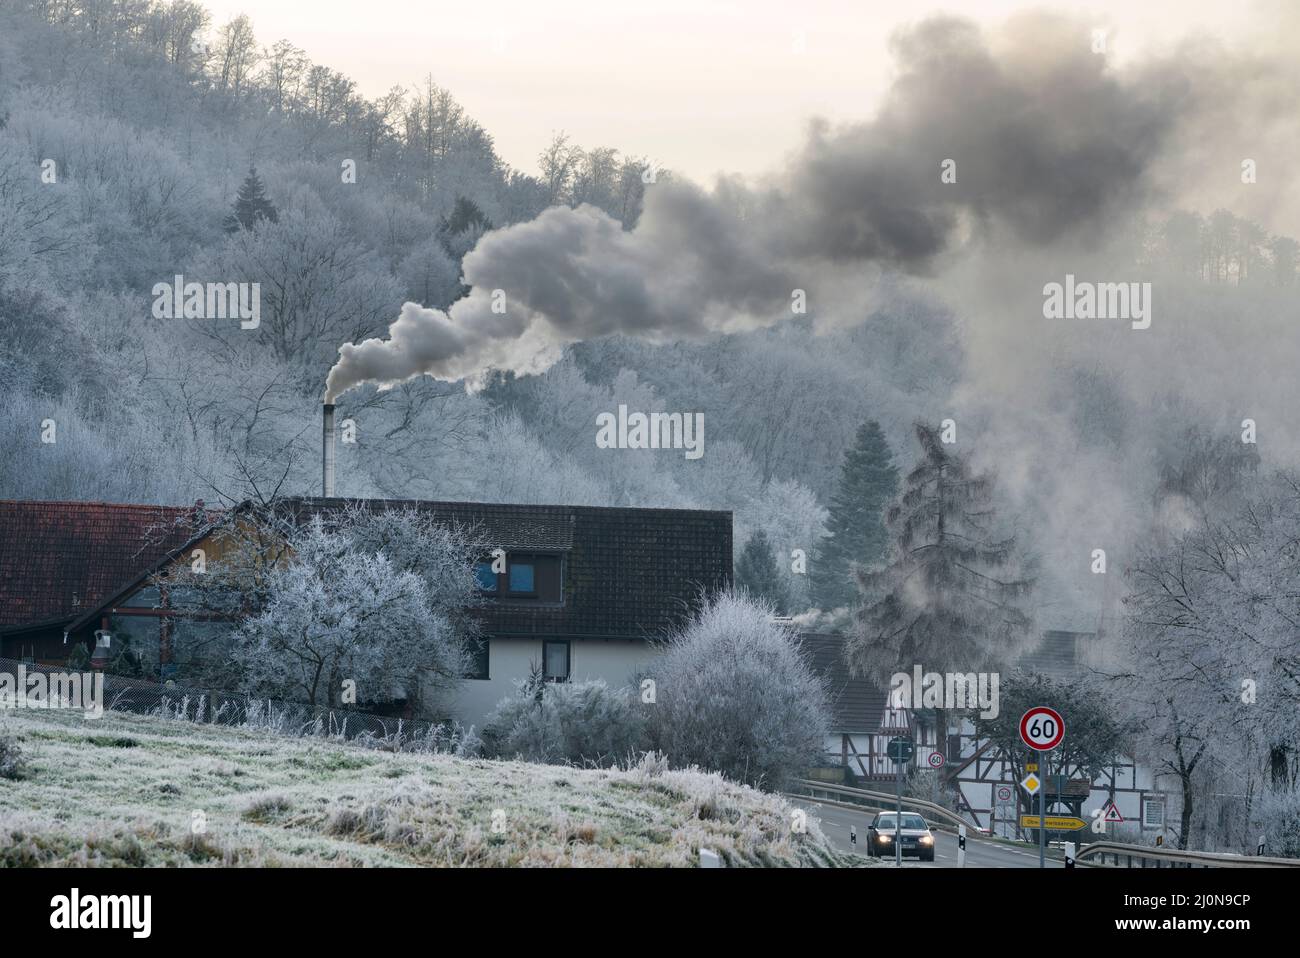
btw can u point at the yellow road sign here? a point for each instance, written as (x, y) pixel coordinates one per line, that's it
(1031, 766)
(1055, 823)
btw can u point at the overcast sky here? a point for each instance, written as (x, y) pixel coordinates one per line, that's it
(699, 86)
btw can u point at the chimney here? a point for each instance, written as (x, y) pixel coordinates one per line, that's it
(327, 453)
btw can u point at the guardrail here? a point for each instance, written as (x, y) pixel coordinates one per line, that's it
(1175, 858)
(862, 796)
(1108, 854)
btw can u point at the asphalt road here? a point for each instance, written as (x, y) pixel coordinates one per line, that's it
(836, 821)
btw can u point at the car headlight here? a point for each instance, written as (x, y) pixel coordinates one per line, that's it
(927, 839)
(886, 838)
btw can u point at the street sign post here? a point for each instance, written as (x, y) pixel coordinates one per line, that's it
(900, 753)
(1042, 729)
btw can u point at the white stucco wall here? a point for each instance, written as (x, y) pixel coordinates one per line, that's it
(510, 660)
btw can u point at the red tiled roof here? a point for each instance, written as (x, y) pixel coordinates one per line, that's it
(59, 559)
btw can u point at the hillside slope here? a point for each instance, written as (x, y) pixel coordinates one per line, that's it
(126, 791)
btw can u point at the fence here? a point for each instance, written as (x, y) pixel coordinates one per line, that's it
(1125, 856)
(216, 707)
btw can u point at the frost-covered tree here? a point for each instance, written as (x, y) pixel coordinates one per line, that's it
(576, 723)
(1210, 666)
(336, 614)
(252, 205)
(733, 694)
(430, 276)
(757, 573)
(303, 607)
(855, 520)
(948, 596)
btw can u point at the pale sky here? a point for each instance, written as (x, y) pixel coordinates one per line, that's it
(699, 87)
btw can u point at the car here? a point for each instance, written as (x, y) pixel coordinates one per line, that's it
(915, 835)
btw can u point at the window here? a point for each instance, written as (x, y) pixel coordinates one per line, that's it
(528, 577)
(1153, 812)
(521, 578)
(555, 661)
(146, 598)
(479, 660)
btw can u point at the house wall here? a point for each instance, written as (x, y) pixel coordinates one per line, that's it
(510, 660)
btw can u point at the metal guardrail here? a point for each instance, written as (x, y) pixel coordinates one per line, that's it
(862, 796)
(1175, 858)
(1112, 854)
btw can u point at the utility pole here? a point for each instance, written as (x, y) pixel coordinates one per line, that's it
(898, 816)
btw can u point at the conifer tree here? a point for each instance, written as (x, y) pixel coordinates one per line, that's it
(757, 573)
(947, 599)
(868, 481)
(251, 206)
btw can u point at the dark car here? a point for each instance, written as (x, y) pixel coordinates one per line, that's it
(915, 835)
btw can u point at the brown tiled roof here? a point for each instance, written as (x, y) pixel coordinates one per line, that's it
(509, 527)
(628, 573)
(857, 705)
(60, 559)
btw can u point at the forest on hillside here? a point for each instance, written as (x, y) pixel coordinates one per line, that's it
(129, 133)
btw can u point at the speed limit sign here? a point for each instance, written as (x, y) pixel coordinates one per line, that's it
(1042, 728)
(935, 760)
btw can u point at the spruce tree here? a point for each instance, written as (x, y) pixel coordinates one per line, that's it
(757, 573)
(947, 599)
(251, 206)
(868, 481)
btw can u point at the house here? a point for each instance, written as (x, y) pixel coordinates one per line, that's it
(583, 592)
(863, 719)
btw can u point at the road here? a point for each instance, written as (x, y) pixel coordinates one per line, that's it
(837, 820)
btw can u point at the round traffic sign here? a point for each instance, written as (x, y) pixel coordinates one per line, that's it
(1042, 728)
(1004, 794)
(935, 760)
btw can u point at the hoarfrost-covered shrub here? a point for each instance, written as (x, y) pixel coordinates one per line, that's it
(734, 695)
(577, 723)
(1278, 815)
(12, 766)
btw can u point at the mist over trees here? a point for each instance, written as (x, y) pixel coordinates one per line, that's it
(149, 142)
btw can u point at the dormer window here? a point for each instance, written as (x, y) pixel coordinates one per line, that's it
(528, 577)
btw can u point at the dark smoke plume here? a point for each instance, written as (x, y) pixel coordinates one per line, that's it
(1049, 144)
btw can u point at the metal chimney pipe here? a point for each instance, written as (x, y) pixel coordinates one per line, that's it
(327, 452)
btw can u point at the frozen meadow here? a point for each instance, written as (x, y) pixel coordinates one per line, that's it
(130, 790)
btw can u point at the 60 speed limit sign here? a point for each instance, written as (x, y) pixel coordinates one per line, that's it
(1042, 728)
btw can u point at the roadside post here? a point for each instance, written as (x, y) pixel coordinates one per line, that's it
(1069, 854)
(961, 846)
(900, 753)
(1042, 729)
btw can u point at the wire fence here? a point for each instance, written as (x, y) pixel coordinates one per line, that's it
(238, 710)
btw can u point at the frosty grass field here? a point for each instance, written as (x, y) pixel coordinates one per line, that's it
(129, 790)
